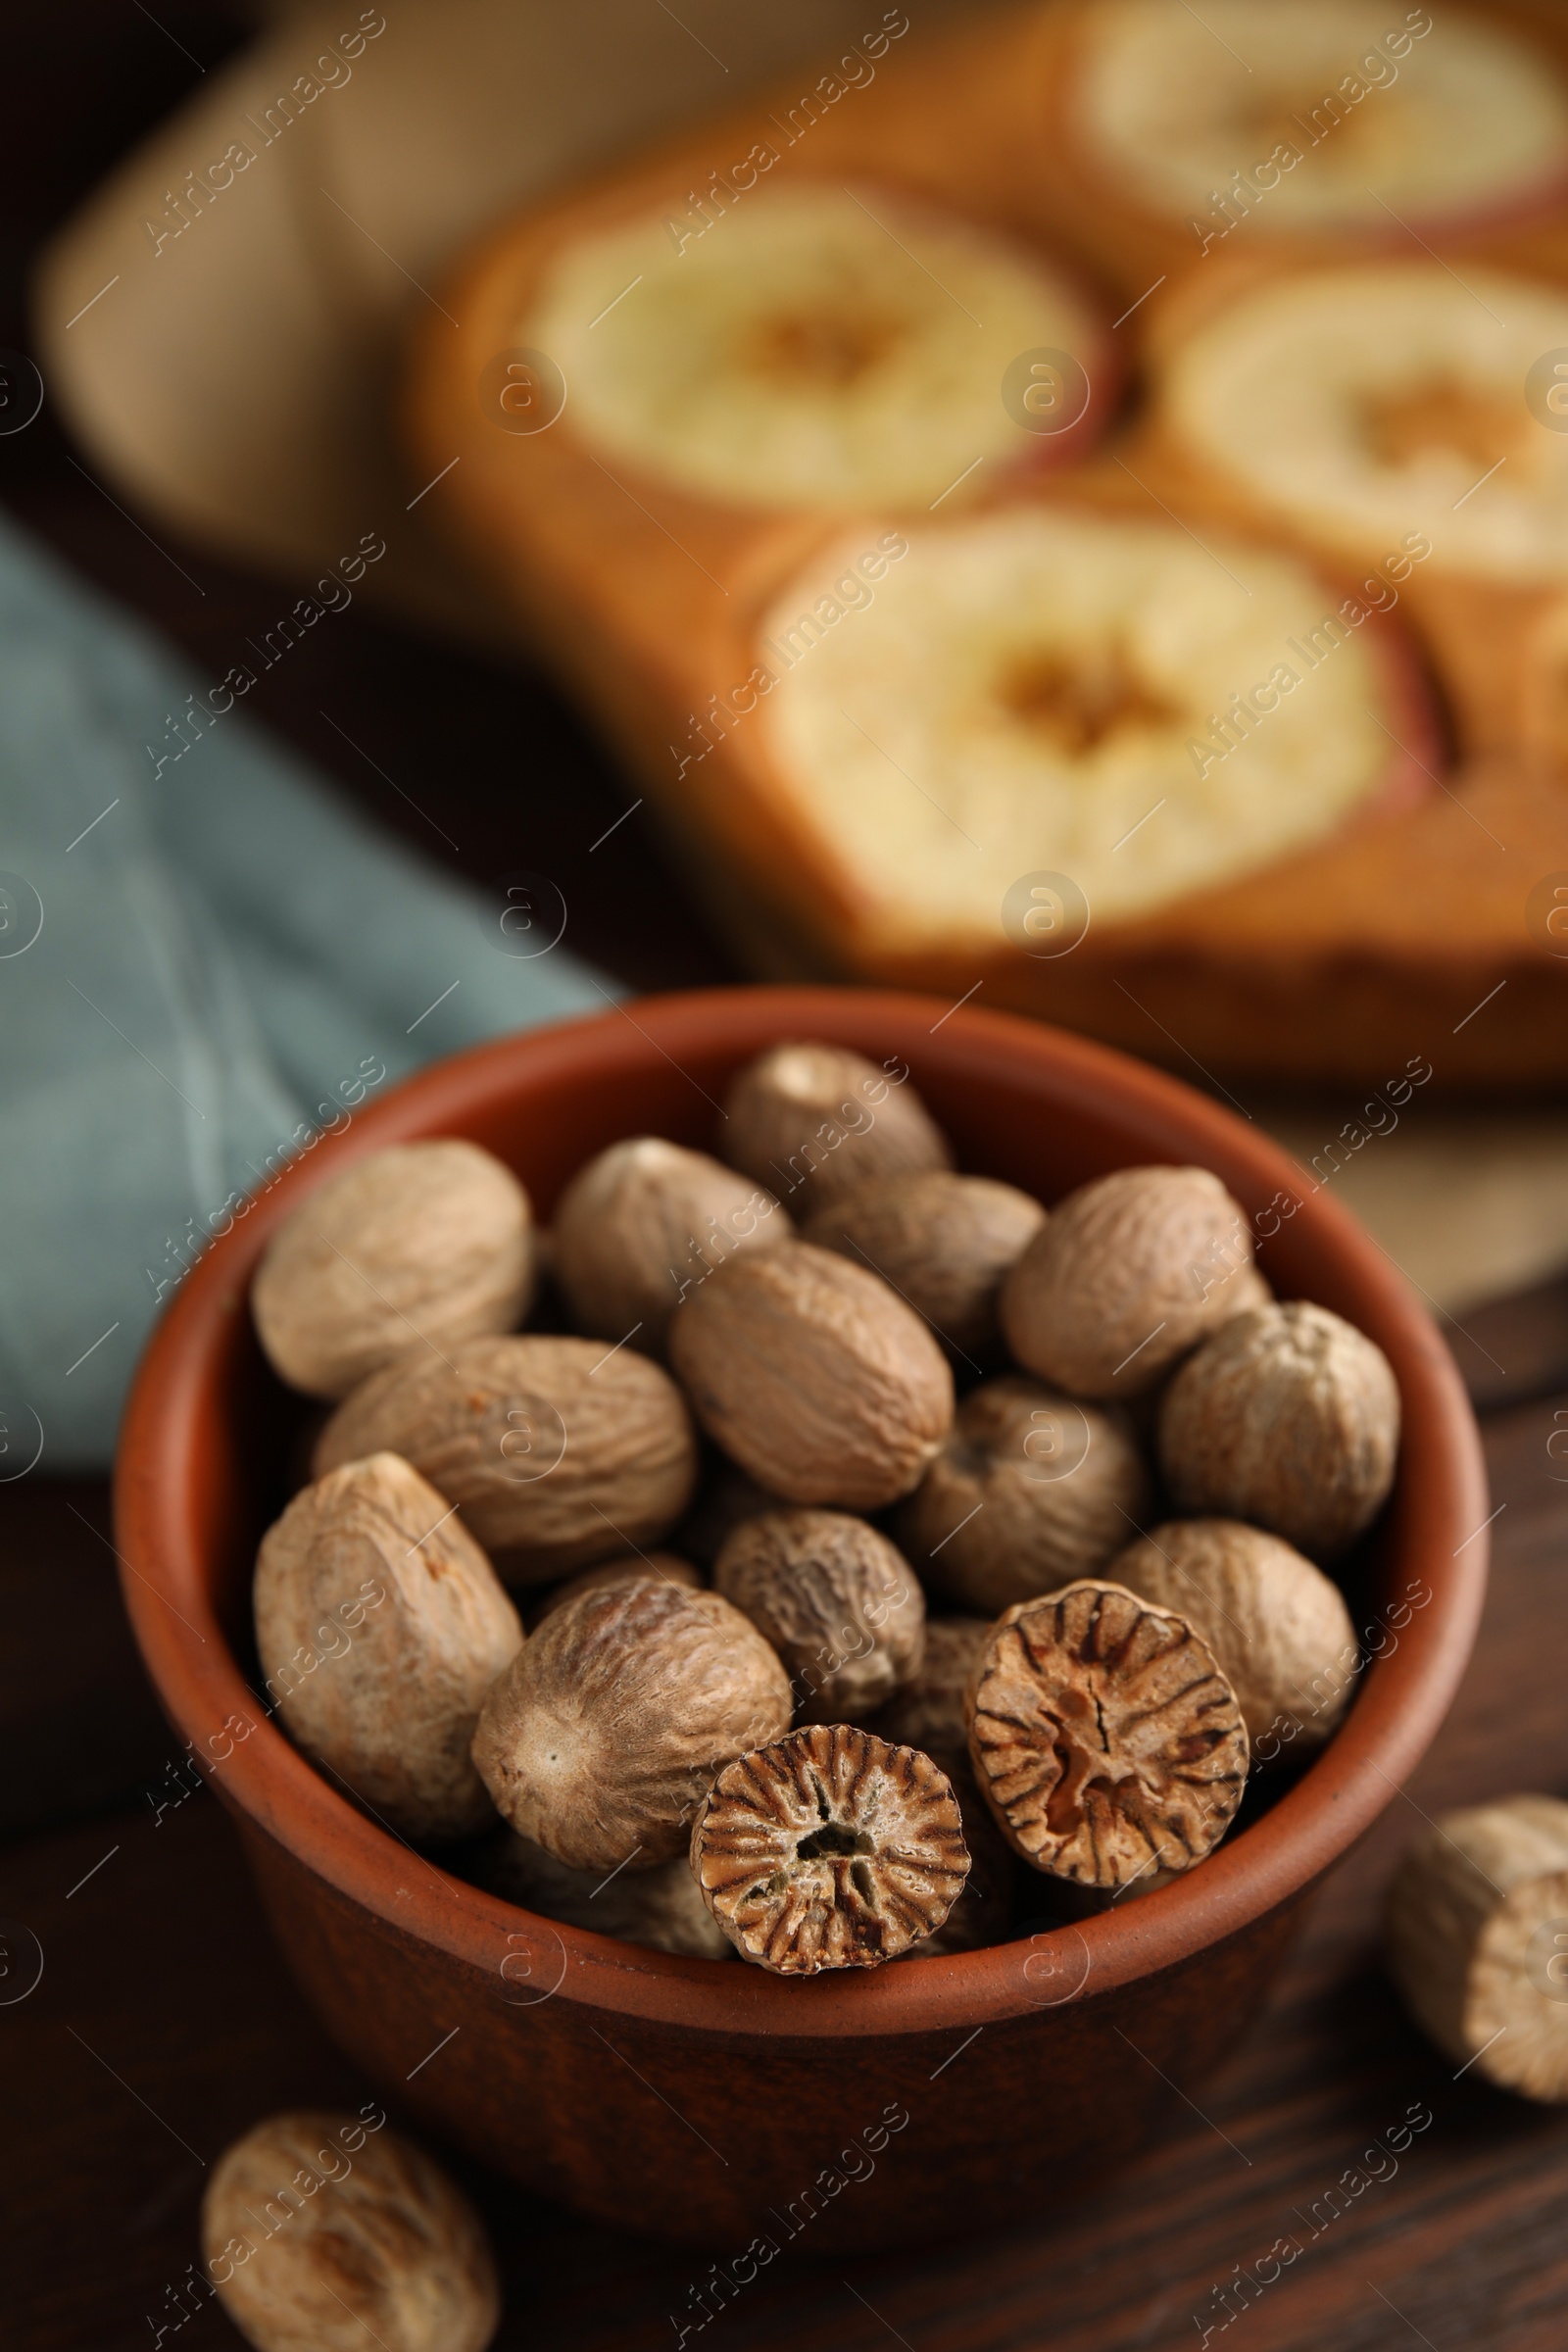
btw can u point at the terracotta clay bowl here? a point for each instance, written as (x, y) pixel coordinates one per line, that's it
(706, 2100)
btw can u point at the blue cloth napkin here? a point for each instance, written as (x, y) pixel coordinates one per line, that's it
(203, 964)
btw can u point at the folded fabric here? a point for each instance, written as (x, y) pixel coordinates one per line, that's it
(205, 960)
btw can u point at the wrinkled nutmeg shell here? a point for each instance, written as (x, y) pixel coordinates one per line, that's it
(1475, 1940)
(556, 1452)
(1125, 1276)
(422, 1243)
(816, 1121)
(1030, 1491)
(380, 1625)
(627, 1568)
(642, 1225)
(928, 1711)
(843, 1609)
(354, 2235)
(603, 1736)
(1280, 1632)
(944, 1243)
(1289, 1416)
(813, 1376)
(1105, 1738)
(660, 1907)
(830, 1849)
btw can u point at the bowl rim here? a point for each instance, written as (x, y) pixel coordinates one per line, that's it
(1438, 1520)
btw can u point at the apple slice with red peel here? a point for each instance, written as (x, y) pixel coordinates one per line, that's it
(1367, 406)
(1322, 117)
(1049, 690)
(821, 346)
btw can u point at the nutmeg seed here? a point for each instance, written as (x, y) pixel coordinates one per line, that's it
(658, 1907)
(603, 1736)
(944, 1243)
(1030, 1491)
(665, 1567)
(1280, 1632)
(841, 1606)
(1475, 1934)
(1289, 1417)
(815, 1121)
(417, 1247)
(558, 1451)
(642, 1224)
(365, 2238)
(1105, 1738)
(1125, 1276)
(813, 1376)
(380, 1626)
(830, 1849)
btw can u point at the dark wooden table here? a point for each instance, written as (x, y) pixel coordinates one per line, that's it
(165, 2022)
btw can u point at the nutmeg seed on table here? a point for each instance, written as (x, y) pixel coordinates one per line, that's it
(813, 1376)
(1477, 1937)
(829, 1849)
(558, 1451)
(380, 1625)
(813, 1122)
(843, 1609)
(1279, 1629)
(1125, 1276)
(333, 2232)
(642, 1224)
(603, 1736)
(417, 1247)
(1289, 1417)
(1105, 1738)
(1029, 1491)
(944, 1243)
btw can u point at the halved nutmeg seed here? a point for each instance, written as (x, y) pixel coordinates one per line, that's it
(829, 1849)
(1105, 1738)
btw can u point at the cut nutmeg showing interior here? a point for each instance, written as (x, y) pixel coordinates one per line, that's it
(420, 1246)
(944, 1242)
(556, 1452)
(602, 1737)
(380, 1625)
(643, 1222)
(1077, 700)
(839, 1604)
(1030, 1491)
(1125, 1276)
(1105, 1738)
(1326, 115)
(1477, 1937)
(1289, 1417)
(1279, 1629)
(321, 2232)
(819, 1122)
(1385, 410)
(813, 1376)
(829, 1849)
(830, 347)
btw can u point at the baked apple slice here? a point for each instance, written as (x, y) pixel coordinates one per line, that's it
(817, 346)
(1373, 408)
(1320, 116)
(1047, 691)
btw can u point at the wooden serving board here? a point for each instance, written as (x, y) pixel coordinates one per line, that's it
(1427, 930)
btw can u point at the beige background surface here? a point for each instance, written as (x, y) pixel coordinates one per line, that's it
(236, 380)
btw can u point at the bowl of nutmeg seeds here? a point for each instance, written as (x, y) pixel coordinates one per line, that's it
(813, 1581)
